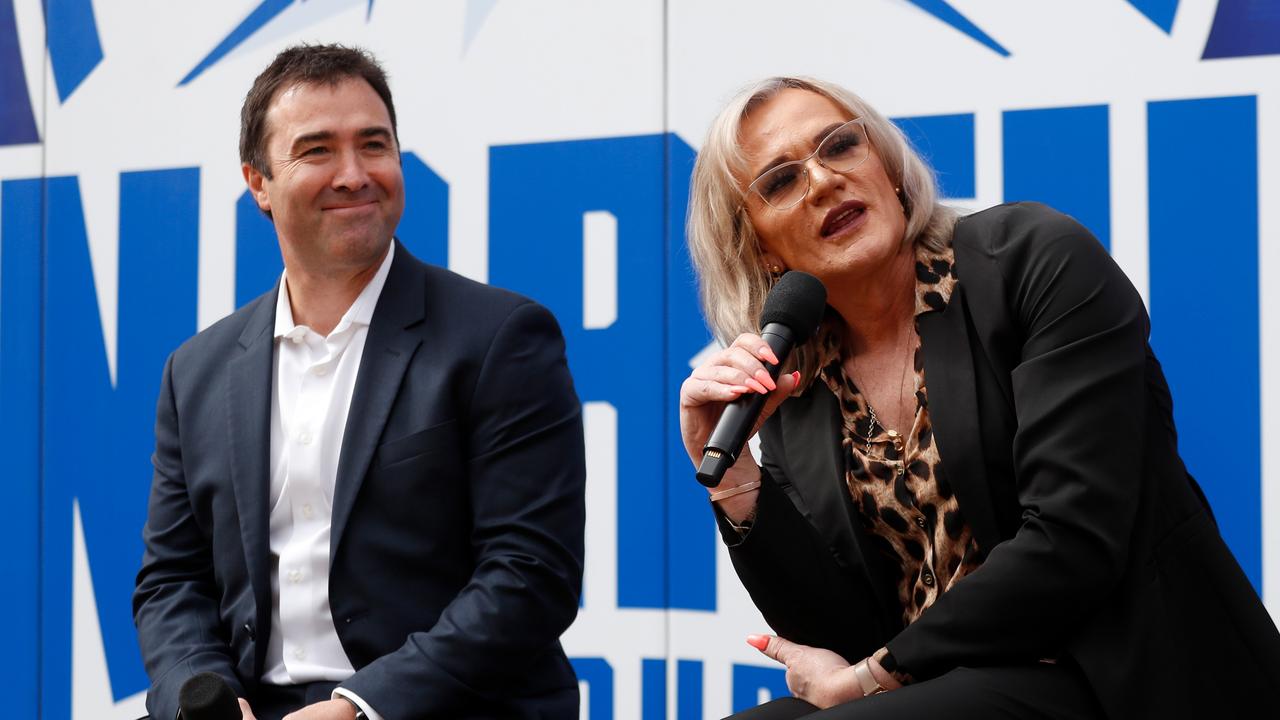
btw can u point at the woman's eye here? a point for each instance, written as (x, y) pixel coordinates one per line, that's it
(841, 145)
(778, 181)
(318, 150)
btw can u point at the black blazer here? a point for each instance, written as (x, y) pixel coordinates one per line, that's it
(457, 538)
(1055, 430)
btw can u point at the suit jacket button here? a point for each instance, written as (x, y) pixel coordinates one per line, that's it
(249, 629)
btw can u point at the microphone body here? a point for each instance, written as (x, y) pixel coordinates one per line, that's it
(730, 434)
(792, 311)
(206, 696)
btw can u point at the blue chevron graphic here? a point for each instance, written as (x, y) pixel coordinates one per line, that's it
(266, 11)
(74, 47)
(943, 11)
(1243, 28)
(1160, 12)
(17, 121)
(258, 17)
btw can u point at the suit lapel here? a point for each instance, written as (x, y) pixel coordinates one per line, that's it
(813, 437)
(953, 411)
(248, 395)
(388, 348)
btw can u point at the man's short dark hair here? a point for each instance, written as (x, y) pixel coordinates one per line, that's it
(306, 65)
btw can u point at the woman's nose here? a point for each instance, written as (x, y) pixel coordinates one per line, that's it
(822, 179)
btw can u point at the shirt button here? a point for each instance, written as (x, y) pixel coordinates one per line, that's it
(295, 576)
(297, 339)
(321, 370)
(304, 437)
(307, 512)
(300, 654)
(927, 578)
(920, 521)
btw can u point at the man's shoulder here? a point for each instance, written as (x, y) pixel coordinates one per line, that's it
(458, 304)
(212, 343)
(447, 286)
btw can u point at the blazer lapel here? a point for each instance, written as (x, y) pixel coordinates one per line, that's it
(387, 351)
(953, 411)
(813, 439)
(249, 424)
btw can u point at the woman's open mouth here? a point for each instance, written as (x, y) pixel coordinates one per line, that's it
(843, 217)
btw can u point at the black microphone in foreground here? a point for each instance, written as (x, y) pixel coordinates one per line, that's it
(792, 312)
(206, 696)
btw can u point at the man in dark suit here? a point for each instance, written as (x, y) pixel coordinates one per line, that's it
(368, 490)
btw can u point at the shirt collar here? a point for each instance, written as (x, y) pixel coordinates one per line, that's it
(360, 312)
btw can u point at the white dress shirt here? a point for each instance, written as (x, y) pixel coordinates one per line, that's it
(314, 379)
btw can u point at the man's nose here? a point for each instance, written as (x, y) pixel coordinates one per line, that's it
(351, 173)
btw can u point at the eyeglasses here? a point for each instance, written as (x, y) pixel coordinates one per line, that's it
(842, 150)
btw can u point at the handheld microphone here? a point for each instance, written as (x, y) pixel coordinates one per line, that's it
(206, 696)
(792, 311)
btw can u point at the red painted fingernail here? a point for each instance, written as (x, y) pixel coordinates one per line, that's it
(759, 642)
(766, 380)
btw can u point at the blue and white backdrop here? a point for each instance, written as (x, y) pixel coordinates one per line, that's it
(547, 149)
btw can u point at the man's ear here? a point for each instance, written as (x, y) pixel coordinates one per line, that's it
(257, 183)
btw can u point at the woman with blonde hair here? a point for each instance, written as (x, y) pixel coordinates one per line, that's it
(969, 499)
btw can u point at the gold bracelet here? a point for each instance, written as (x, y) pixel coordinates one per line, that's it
(736, 490)
(867, 679)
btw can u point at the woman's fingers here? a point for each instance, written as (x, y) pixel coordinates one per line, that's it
(730, 373)
(774, 647)
(757, 347)
(698, 391)
(742, 360)
(729, 376)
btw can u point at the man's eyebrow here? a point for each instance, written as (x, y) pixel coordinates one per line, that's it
(817, 138)
(324, 135)
(311, 137)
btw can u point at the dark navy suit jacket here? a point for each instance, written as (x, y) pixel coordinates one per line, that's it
(457, 539)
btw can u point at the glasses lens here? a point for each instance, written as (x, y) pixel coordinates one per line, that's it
(782, 186)
(845, 148)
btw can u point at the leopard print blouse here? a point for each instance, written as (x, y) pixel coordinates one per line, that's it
(904, 501)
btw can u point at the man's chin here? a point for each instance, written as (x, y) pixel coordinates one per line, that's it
(359, 249)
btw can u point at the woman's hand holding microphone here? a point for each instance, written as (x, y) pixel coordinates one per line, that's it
(729, 374)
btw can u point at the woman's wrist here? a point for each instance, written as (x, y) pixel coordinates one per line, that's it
(887, 680)
(844, 687)
(739, 507)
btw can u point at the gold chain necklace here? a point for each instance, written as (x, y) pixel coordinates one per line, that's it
(871, 411)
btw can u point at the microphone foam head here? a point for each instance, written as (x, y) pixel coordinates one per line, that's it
(798, 301)
(206, 696)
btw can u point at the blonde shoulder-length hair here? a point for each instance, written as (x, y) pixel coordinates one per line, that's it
(723, 244)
